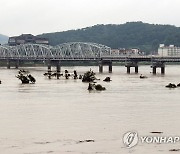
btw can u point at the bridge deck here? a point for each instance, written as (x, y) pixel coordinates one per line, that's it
(113, 59)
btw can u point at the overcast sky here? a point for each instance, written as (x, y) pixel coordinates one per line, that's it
(44, 16)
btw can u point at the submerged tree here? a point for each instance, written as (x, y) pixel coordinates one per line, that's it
(95, 87)
(25, 78)
(89, 76)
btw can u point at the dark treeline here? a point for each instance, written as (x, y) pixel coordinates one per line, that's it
(141, 35)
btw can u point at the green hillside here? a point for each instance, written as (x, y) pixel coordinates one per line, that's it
(145, 36)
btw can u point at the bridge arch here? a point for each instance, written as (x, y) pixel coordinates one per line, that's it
(74, 50)
(34, 51)
(70, 50)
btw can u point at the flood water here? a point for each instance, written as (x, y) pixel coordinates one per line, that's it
(52, 116)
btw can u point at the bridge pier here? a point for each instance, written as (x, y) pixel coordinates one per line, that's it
(110, 67)
(102, 63)
(58, 69)
(158, 65)
(8, 64)
(128, 69)
(101, 67)
(163, 70)
(17, 64)
(49, 67)
(131, 64)
(154, 69)
(136, 69)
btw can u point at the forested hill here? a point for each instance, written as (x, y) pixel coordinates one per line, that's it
(3, 39)
(132, 34)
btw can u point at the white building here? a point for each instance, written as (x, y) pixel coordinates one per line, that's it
(168, 51)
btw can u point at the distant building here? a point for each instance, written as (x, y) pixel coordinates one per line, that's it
(171, 50)
(127, 52)
(27, 38)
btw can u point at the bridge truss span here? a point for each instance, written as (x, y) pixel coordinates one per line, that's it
(71, 50)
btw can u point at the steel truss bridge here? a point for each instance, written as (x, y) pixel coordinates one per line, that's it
(71, 51)
(78, 51)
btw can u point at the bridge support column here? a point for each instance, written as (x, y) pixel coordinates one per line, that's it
(158, 65)
(8, 64)
(131, 64)
(154, 70)
(49, 66)
(128, 69)
(100, 67)
(17, 64)
(163, 70)
(58, 69)
(110, 67)
(136, 69)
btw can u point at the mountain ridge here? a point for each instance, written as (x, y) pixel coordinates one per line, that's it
(141, 35)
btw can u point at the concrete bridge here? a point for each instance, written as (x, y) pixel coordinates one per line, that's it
(77, 51)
